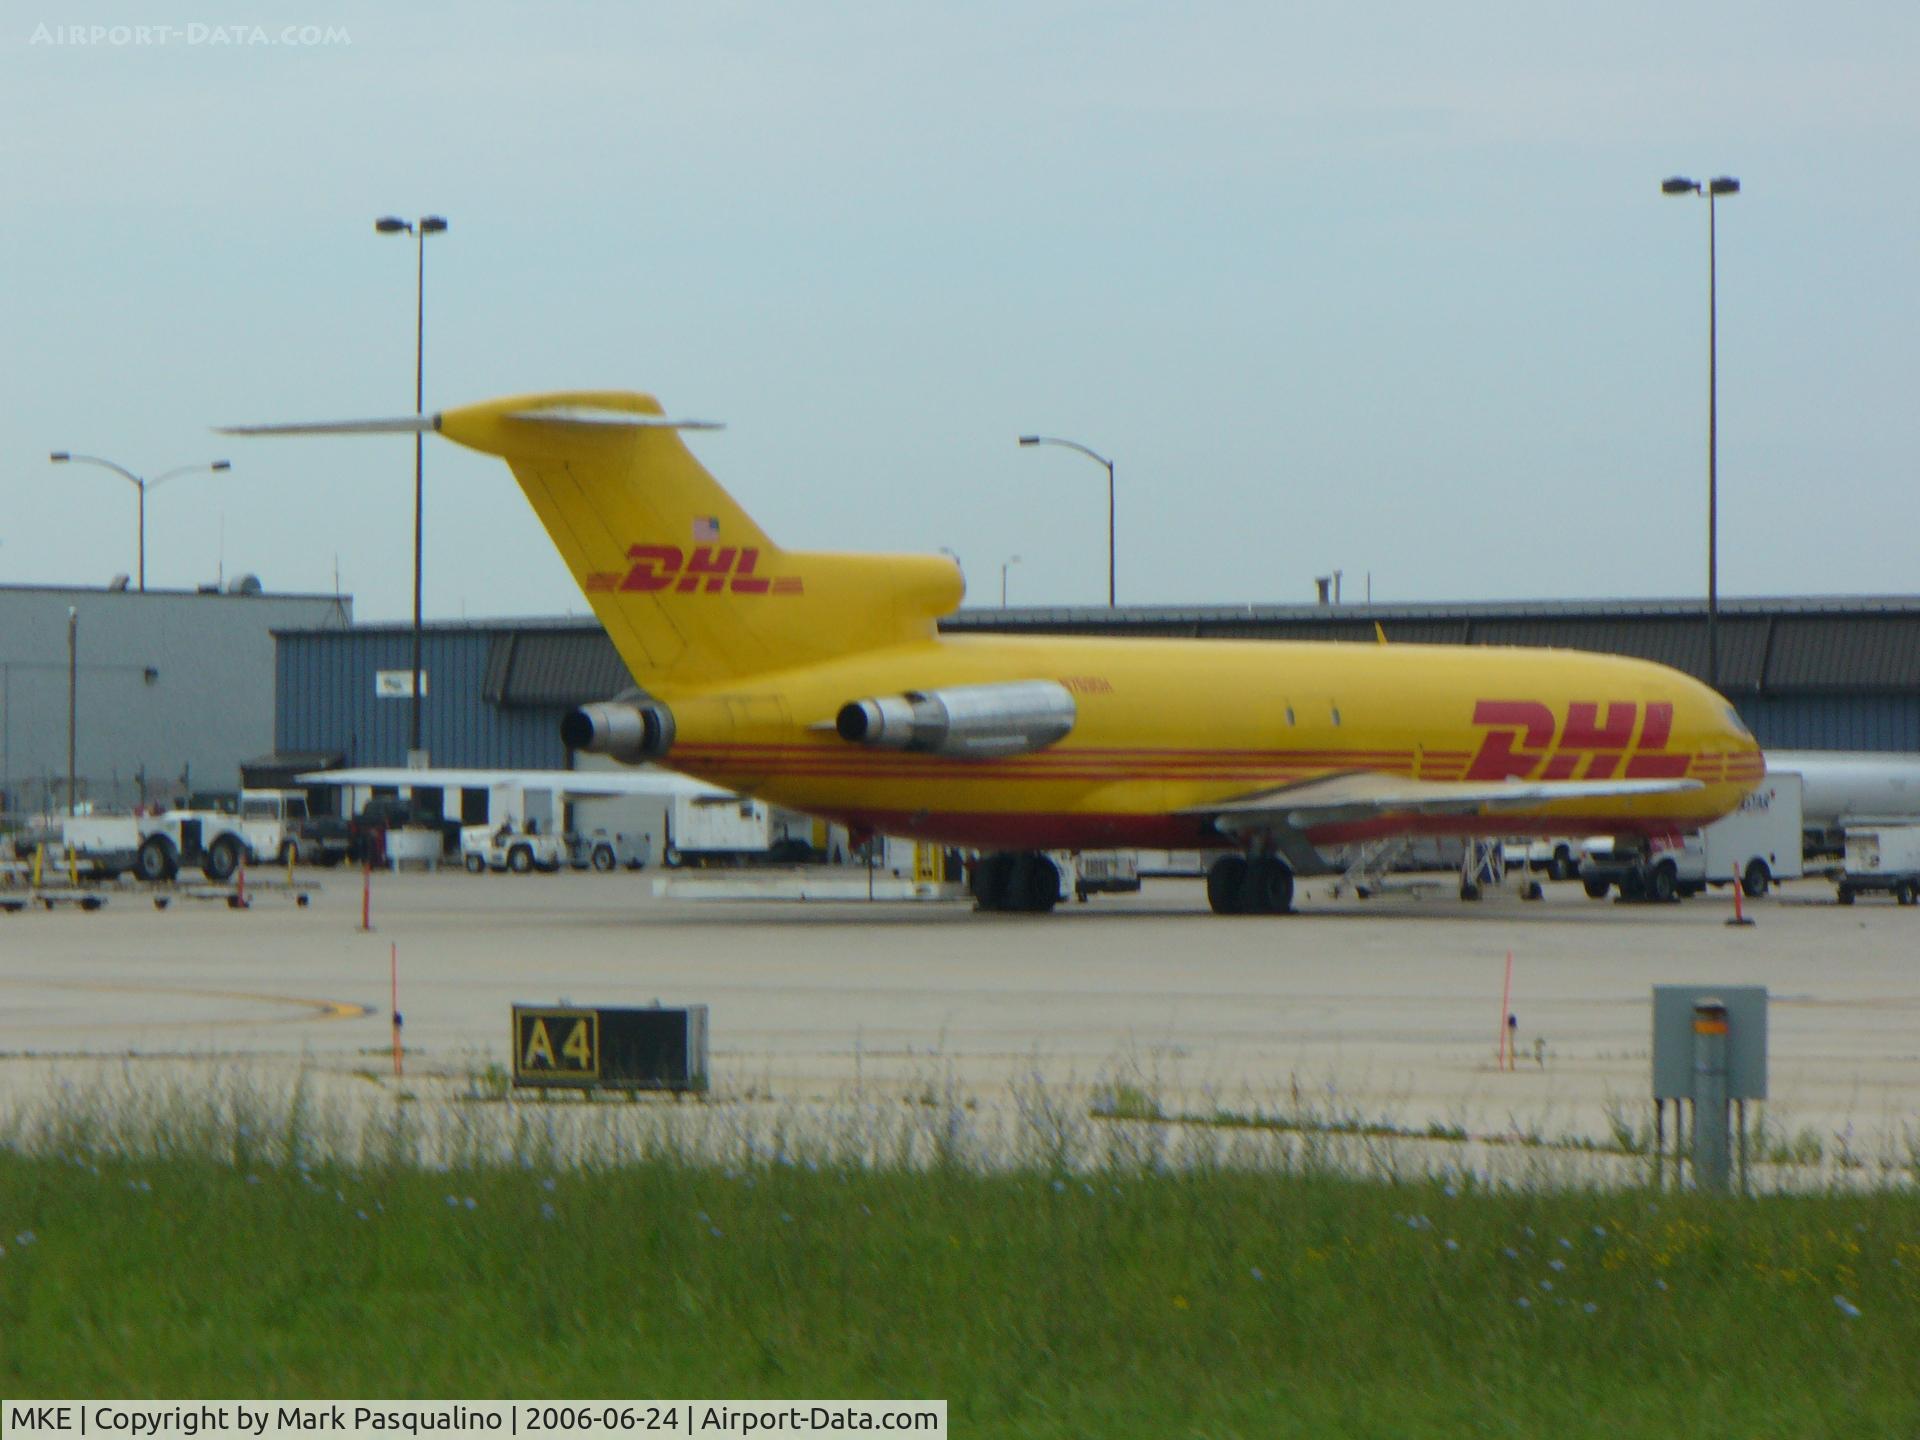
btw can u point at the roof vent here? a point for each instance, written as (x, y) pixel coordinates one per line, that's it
(245, 585)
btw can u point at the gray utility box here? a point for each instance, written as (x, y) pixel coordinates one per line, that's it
(1673, 1042)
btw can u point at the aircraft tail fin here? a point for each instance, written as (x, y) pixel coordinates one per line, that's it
(691, 590)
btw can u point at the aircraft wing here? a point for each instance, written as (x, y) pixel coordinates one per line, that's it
(1366, 794)
(580, 783)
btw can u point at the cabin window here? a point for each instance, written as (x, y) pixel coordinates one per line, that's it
(1289, 715)
(1336, 714)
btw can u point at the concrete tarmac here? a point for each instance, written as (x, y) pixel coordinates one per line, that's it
(1381, 1009)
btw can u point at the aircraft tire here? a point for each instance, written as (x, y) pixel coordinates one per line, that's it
(990, 883)
(1034, 884)
(1227, 884)
(1269, 888)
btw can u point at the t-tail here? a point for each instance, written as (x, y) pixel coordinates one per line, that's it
(693, 593)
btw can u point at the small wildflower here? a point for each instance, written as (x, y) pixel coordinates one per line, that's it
(1659, 1284)
(865, 1211)
(1452, 1244)
(785, 1218)
(1590, 1308)
(714, 1230)
(1524, 1303)
(1086, 1187)
(703, 1217)
(1450, 1191)
(1546, 1285)
(1255, 1272)
(453, 1202)
(549, 1183)
(1059, 1187)
(1511, 1253)
(363, 1215)
(1556, 1265)
(1565, 1244)
(1599, 1232)
(472, 1204)
(547, 1212)
(1180, 1302)
(1846, 1307)
(254, 1180)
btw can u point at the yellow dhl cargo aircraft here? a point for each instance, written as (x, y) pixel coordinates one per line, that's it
(821, 682)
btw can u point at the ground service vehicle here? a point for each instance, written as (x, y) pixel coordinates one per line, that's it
(1758, 844)
(501, 847)
(265, 826)
(1881, 857)
(820, 682)
(604, 850)
(731, 829)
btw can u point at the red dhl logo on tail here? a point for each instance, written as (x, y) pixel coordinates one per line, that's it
(1522, 738)
(710, 569)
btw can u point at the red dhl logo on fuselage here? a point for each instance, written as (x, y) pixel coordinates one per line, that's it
(1520, 744)
(709, 570)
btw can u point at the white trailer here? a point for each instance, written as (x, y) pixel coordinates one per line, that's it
(1758, 845)
(1881, 857)
(730, 829)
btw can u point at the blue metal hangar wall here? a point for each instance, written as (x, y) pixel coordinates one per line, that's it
(1817, 673)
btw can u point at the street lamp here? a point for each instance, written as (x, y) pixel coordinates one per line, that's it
(1099, 459)
(1010, 560)
(1713, 190)
(419, 229)
(62, 457)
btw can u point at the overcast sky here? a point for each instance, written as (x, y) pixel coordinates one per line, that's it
(1384, 287)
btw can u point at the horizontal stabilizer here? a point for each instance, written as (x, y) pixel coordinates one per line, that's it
(581, 416)
(400, 425)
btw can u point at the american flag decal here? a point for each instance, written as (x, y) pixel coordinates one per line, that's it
(706, 528)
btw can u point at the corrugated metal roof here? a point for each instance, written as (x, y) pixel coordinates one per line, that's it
(1877, 652)
(550, 668)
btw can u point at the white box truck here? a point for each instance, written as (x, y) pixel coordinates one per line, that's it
(1759, 844)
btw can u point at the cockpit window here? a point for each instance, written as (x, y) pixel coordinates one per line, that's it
(1733, 719)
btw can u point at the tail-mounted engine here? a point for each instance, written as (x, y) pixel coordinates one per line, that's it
(972, 722)
(628, 731)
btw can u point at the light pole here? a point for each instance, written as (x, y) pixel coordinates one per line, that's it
(1713, 190)
(1099, 459)
(419, 229)
(73, 708)
(62, 457)
(1004, 564)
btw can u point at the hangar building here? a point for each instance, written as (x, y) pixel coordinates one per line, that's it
(171, 689)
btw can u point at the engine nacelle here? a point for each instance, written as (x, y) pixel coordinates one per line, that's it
(977, 722)
(628, 732)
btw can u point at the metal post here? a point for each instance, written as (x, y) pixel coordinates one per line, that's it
(73, 708)
(419, 365)
(1713, 457)
(1110, 591)
(142, 550)
(1659, 1140)
(1711, 1150)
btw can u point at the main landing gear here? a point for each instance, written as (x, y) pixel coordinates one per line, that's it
(1021, 880)
(1250, 885)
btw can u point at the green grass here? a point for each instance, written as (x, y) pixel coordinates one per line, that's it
(196, 1254)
